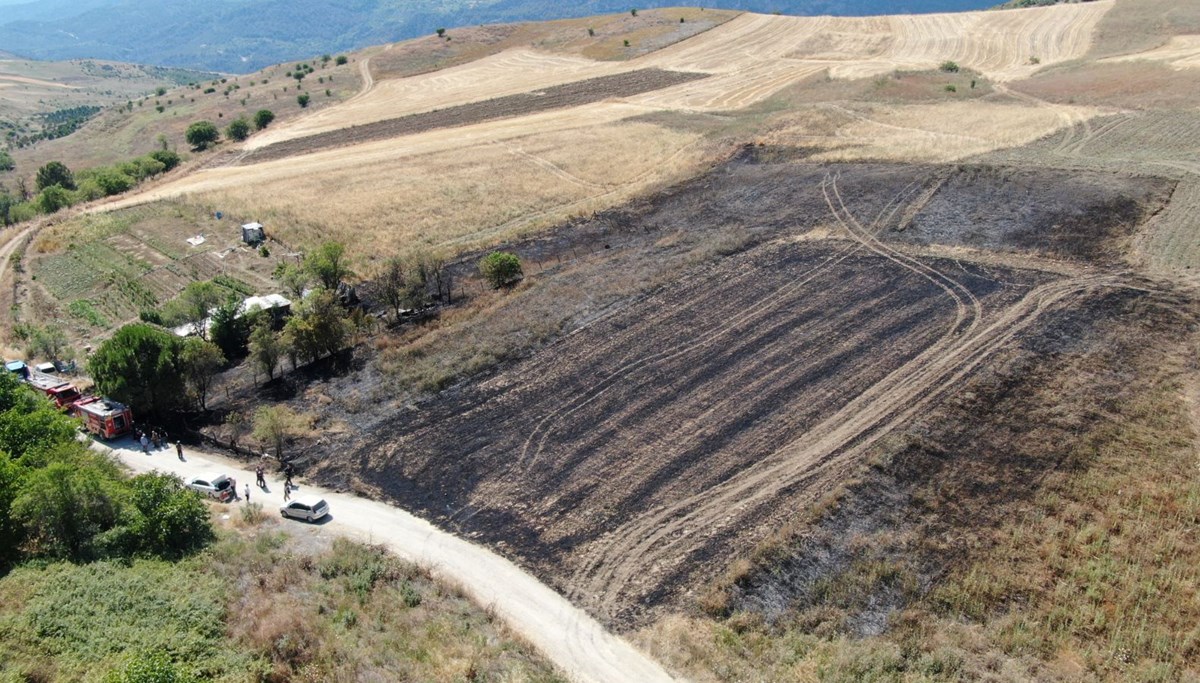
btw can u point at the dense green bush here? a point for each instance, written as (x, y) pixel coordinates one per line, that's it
(500, 268)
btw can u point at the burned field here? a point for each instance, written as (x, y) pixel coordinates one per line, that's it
(631, 461)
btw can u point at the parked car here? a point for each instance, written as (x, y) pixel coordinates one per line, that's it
(216, 486)
(308, 508)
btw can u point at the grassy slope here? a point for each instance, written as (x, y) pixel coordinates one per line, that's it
(260, 603)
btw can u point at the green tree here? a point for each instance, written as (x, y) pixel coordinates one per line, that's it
(441, 33)
(49, 342)
(200, 361)
(166, 520)
(54, 173)
(263, 118)
(11, 476)
(139, 365)
(633, 12)
(500, 268)
(341, 59)
(294, 279)
(53, 199)
(393, 283)
(63, 507)
(6, 161)
(111, 181)
(238, 129)
(328, 264)
(302, 100)
(201, 135)
(193, 305)
(265, 348)
(7, 202)
(229, 330)
(317, 327)
(167, 158)
(274, 425)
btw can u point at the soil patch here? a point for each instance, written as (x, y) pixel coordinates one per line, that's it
(557, 97)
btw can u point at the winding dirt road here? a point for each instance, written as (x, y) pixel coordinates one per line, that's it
(563, 633)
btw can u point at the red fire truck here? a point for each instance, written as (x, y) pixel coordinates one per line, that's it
(62, 393)
(105, 418)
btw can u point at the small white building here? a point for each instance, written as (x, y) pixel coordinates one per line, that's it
(277, 305)
(253, 233)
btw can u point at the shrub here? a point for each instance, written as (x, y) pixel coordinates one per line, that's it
(201, 134)
(263, 118)
(949, 66)
(500, 268)
(950, 87)
(238, 129)
(302, 100)
(54, 173)
(167, 158)
(633, 12)
(52, 199)
(341, 59)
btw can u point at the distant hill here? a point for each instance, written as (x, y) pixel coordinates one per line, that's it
(240, 36)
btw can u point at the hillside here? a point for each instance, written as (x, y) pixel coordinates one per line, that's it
(239, 36)
(842, 348)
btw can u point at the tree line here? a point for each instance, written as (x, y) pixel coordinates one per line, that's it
(59, 500)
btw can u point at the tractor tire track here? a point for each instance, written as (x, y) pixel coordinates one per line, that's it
(536, 441)
(653, 543)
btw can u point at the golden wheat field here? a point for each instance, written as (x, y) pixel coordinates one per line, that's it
(453, 197)
(429, 186)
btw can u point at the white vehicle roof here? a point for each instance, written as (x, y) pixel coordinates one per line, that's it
(310, 501)
(211, 478)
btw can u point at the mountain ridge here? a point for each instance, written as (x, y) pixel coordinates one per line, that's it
(241, 36)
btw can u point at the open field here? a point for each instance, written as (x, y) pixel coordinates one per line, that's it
(630, 460)
(574, 94)
(786, 50)
(448, 198)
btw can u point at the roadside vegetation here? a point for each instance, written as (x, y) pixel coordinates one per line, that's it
(125, 579)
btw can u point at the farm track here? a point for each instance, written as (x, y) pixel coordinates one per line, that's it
(618, 568)
(558, 97)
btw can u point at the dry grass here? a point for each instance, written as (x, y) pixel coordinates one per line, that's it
(1137, 85)
(1171, 243)
(1140, 25)
(117, 135)
(392, 203)
(941, 132)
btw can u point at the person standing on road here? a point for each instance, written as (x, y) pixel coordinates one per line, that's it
(287, 495)
(179, 448)
(145, 444)
(247, 493)
(258, 477)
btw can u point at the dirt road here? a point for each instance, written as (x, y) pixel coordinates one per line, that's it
(564, 634)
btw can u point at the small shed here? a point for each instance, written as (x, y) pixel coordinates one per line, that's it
(253, 234)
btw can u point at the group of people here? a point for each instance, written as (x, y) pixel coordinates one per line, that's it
(260, 480)
(157, 440)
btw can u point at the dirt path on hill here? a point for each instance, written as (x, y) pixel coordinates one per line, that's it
(563, 633)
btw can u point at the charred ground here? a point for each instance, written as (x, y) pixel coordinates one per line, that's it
(679, 426)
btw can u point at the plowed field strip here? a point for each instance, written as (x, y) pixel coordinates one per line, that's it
(557, 97)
